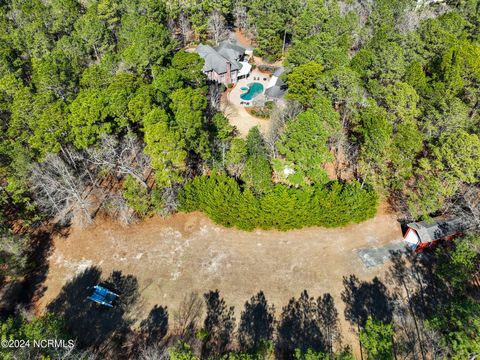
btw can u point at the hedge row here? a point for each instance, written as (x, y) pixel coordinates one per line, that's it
(282, 208)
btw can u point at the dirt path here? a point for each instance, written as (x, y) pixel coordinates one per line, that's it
(187, 252)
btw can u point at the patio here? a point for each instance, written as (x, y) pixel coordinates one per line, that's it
(254, 76)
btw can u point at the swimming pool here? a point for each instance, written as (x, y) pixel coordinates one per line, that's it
(254, 89)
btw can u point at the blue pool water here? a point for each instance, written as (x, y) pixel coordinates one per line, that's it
(254, 89)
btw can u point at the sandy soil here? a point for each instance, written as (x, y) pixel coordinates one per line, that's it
(243, 40)
(241, 119)
(187, 252)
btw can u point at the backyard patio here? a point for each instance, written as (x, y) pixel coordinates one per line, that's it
(242, 87)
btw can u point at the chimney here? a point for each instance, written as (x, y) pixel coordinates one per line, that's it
(228, 74)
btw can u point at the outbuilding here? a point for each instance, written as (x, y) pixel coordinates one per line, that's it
(276, 87)
(423, 234)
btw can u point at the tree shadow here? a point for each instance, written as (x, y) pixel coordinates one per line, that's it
(127, 343)
(416, 275)
(11, 294)
(219, 325)
(126, 286)
(154, 328)
(25, 292)
(421, 279)
(328, 317)
(299, 327)
(34, 288)
(90, 323)
(363, 299)
(410, 332)
(257, 323)
(187, 315)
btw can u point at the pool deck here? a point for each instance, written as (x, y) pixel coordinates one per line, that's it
(234, 95)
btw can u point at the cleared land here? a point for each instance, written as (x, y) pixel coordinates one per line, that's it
(187, 252)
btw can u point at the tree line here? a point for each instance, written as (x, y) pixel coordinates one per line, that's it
(283, 208)
(388, 93)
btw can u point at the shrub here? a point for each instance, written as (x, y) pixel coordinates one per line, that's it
(267, 68)
(270, 105)
(261, 112)
(281, 207)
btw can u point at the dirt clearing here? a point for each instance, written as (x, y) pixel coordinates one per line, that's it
(187, 252)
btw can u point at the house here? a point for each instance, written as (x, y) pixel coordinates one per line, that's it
(224, 64)
(276, 87)
(423, 234)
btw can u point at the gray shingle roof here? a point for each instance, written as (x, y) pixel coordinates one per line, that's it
(275, 92)
(279, 88)
(432, 230)
(279, 71)
(216, 59)
(204, 50)
(280, 83)
(230, 51)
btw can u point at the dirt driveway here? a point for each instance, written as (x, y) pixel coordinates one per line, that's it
(187, 252)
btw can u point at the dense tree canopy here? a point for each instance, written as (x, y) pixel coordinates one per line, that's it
(105, 108)
(391, 89)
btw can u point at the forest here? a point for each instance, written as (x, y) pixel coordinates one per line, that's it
(103, 110)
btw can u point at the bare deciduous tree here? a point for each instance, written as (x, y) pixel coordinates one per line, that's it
(125, 157)
(13, 244)
(363, 8)
(216, 26)
(170, 202)
(60, 353)
(466, 206)
(14, 253)
(411, 19)
(185, 28)
(69, 353)
(154, 352)
(215, 95)
(60, 188)
(116, 206)
(240, 14)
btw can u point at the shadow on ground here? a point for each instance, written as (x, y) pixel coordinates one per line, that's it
(257, 323)
(90, 323)
(22, 294)
(363, 299)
